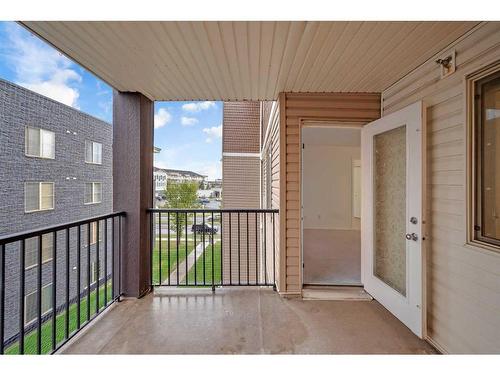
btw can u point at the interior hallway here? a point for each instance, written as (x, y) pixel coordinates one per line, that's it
(245, 321)
(332, 257)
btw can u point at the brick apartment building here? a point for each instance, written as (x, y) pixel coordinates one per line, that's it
(56, 168)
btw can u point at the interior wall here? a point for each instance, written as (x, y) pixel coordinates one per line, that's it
(327, 186)
(463, 280)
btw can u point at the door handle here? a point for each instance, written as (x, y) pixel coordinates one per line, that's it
(412, 236)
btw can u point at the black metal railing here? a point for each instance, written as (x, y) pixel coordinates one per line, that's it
(213, 247)
(56, 280)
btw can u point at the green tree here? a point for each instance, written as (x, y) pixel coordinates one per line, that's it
(180, 195)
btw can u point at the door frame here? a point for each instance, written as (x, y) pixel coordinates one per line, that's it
(316, 123)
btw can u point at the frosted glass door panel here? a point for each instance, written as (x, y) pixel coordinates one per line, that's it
(389, 149)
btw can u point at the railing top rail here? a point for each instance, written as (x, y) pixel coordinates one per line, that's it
(41, 231)
(214, 210)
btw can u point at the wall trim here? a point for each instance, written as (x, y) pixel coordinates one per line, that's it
(242, 154)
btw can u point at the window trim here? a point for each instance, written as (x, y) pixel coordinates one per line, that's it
(85, 153)
(40, 196)
(43, 261)
(40, 154)
(472, 179)
(26, 305)
(93, 202)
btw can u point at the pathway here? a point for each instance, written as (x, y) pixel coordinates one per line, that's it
(200, 249)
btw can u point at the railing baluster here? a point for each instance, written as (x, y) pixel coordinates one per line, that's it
(2, 297)
(22, 256)
(119, 257)
(186, 249)
(54, 290)
(39, 298)
(221, 253)
(67, 285)
(230, 251)
(213, 259)
(274, 254)
(265, 248)
(88, 272)
(177, 245)
(248, 252)
(239, 251)
(159, 249)
(194, 238)
(168, 246)
(97, 268)
(256, 252)
(78, 274)
(203, 254)
(151, 246)
(105, 262)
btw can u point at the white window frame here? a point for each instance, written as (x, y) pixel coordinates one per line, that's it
(93, 193)
(93, 143)
(40, 196)
(40, 151)
(26, 304)
(46, 260)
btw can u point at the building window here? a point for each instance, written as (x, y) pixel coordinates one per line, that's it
(31, 304)
(486, 159)
(93, 272)
(93, 152)
(31, 250)
(93, 192)
(38, 196)
(39, 143)
(93, 233)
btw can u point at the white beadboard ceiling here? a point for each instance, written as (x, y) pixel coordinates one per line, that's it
(248, 60)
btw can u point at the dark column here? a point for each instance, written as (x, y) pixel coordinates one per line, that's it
(133, 116)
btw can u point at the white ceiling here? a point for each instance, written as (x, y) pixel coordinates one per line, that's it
(248, 60)
(329, 136)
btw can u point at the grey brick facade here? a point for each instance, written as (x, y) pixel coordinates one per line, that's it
(19, 108)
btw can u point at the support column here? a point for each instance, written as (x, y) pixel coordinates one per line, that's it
(133, 126)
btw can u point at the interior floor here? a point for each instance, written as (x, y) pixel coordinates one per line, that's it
(199, 322)
(332, 257)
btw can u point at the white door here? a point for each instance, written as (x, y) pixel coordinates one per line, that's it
(391, 218)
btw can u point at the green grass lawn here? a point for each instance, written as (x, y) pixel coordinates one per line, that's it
(208, 267)
(30, 340)
(173, 256)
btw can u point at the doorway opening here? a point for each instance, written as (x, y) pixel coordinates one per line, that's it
(331, 204)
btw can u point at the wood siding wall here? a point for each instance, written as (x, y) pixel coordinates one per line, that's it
(463, 281)
(359, 107)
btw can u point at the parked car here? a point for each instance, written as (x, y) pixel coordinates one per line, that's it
(203, 228)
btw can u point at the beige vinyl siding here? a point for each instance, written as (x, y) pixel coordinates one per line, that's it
(240, 190)
(463, 281)
(359, 107)
(270, 154)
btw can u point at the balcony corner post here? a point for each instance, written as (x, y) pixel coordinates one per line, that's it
(133, 117)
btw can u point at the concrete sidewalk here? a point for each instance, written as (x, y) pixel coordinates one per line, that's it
(200, 249)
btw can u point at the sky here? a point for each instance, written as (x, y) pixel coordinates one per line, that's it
(188, 133)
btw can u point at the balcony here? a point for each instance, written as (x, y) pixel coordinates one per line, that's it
(213, 274)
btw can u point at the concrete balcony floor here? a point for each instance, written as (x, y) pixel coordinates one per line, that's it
(244, 321)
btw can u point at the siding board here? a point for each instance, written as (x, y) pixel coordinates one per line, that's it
(362, 107)
(463, 280)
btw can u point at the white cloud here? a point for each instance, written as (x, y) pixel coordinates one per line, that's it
(162, 118)
(198, 106)
(41, 68)
(188, 121)
(213, 133)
